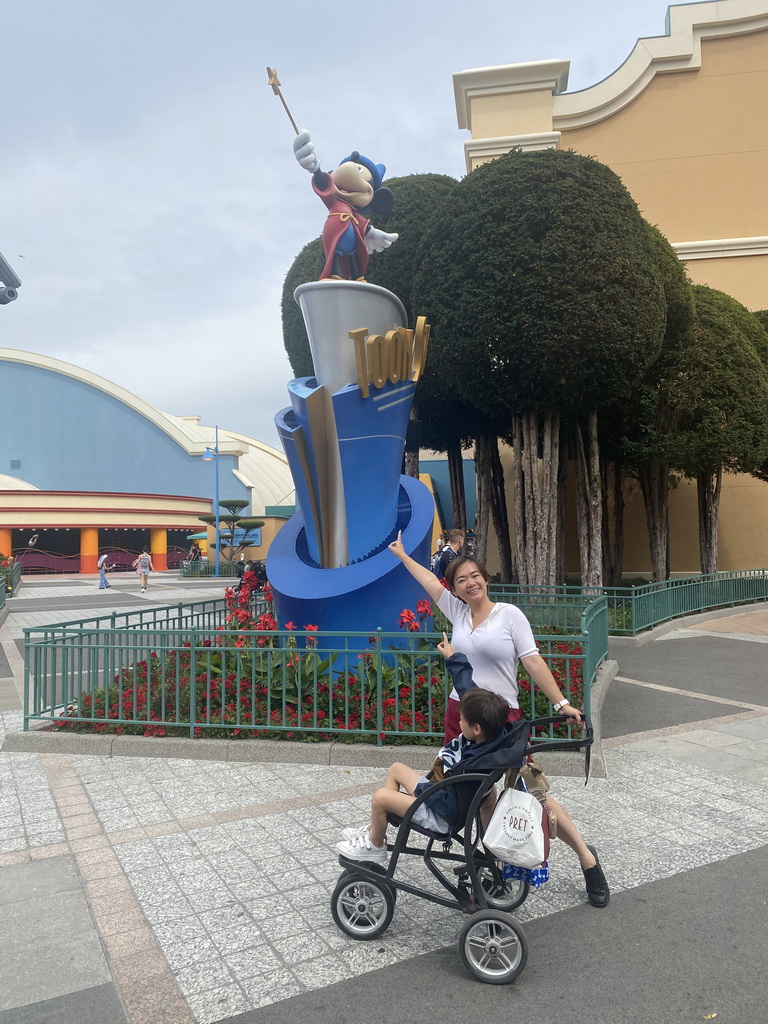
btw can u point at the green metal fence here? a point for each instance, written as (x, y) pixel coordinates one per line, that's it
(558, 607)
(207, 614)
(176, 670)
(651, 604)
(203, 567)
(634, 609)
(173, 671)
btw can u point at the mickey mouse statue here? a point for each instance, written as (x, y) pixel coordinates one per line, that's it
(351, 192)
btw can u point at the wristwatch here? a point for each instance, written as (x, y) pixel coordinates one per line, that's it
(560, 704)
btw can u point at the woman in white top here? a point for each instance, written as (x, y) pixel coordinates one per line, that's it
(495, 637)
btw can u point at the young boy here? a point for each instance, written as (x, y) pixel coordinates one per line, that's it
(483, 719)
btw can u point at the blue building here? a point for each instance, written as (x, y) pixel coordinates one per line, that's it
(87, 466)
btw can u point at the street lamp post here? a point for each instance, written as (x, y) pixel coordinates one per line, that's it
(213, 456)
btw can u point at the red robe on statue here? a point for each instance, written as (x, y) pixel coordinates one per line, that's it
(341, 215)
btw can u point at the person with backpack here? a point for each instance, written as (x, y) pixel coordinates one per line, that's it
(451, 549)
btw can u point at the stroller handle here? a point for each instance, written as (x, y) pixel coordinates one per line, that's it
(570, 744)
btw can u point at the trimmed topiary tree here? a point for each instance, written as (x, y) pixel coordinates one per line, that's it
(232, 520)
(545, 297)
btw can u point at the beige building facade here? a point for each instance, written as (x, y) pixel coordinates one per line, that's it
(684, 123)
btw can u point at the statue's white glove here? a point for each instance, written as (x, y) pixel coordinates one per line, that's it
(304, 151)
(376, 240)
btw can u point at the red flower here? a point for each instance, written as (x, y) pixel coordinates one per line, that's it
(424, 608)
(407, 619)
(290, 625)
(266, 621)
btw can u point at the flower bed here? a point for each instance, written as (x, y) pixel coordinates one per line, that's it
(254, 680)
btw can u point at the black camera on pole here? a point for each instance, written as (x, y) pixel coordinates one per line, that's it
(9, 282)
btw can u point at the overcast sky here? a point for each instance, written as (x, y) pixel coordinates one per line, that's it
(149, 198)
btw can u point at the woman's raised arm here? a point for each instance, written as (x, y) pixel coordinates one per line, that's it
(420, 573)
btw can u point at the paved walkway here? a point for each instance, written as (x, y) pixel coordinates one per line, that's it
(167, 891)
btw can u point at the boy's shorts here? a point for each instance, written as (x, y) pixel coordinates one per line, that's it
(426, 818)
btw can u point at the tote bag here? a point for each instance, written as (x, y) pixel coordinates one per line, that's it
(515, 833)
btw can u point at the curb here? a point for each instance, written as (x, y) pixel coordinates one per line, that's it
(348, 755)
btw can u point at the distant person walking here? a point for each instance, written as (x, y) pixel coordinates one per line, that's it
(143, 566)
(102, 564)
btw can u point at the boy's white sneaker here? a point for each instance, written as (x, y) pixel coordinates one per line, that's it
(350, 833)
(361, 848)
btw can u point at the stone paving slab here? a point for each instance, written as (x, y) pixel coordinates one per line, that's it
(98, 1005)
(49, 945)
(742, 623)
(682, 634)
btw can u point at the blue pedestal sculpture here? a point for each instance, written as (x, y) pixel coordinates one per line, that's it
(344, 437)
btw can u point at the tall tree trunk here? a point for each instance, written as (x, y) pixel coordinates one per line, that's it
(483, 474)
(456, 479)
(562, 506)
(589, 501)
(412, 440)
(708, 488)
(536, 448)
(608, 567)
(613, 525)
(654, 482)
(499, 512)
(518, 500)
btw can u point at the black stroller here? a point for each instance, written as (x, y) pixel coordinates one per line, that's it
(492, 945)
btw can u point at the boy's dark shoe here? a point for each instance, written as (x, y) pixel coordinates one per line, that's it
(598, 892)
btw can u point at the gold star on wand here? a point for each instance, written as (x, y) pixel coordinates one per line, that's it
(274, 81)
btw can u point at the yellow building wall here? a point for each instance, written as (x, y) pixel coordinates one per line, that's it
(744, 277)
(493, 116)
(742, 535)
(692, 148)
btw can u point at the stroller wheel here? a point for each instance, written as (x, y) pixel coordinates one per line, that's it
(362, 907)
(493, 947)
(502, 895)
(371, 867)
